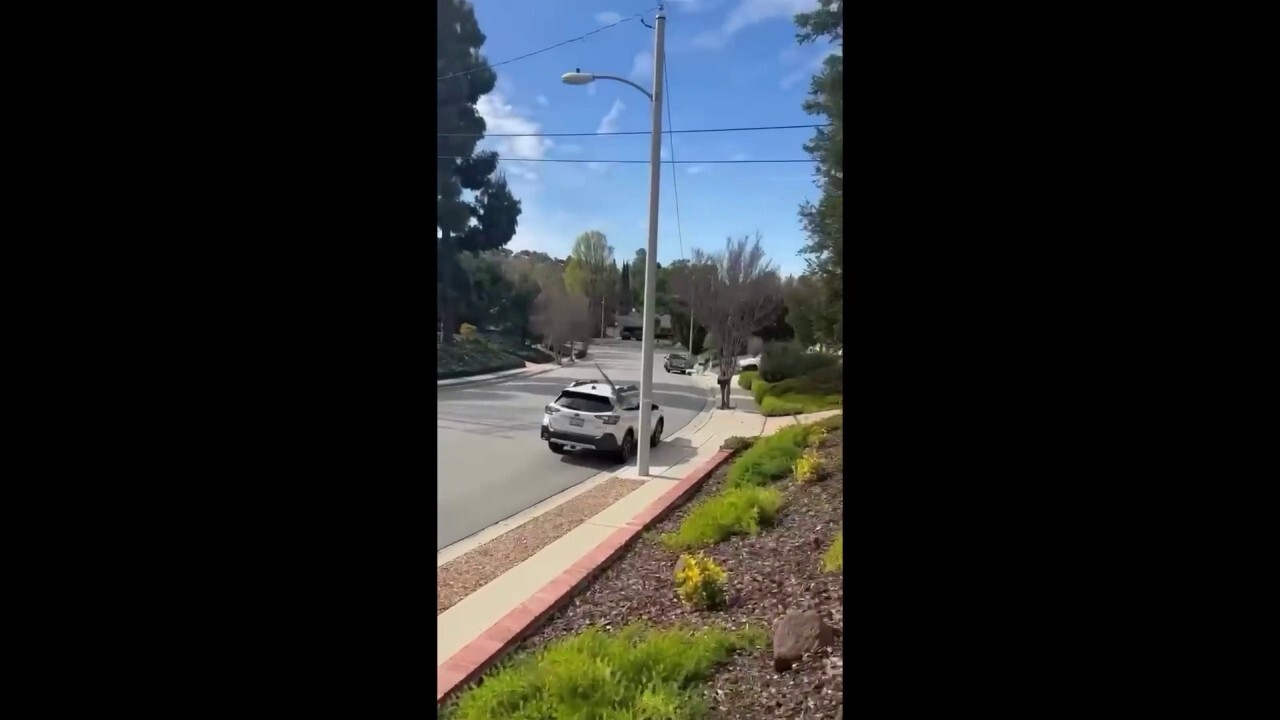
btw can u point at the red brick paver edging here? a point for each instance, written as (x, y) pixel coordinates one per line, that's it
(478, 655)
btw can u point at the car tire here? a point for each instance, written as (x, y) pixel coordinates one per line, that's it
(627, 449)
(557, 448)
(656, 437)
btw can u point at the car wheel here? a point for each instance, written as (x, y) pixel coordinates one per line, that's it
(657, 434)
(557, 448)
(627, 449)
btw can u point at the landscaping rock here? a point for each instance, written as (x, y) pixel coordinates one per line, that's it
(797, 633)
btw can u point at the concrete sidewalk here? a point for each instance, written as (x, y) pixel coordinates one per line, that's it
(671, 462)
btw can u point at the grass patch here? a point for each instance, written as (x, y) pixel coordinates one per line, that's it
(734, 511)
(770, 458)
(637, 672)
(830, 424)
(746, 377)
(833, 558)
(774, 405)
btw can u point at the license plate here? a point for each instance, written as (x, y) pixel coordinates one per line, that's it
(576, 422)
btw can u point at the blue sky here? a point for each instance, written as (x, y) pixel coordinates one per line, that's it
(731, 63)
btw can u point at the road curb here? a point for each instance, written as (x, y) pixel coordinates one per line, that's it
(504, 375)
(477, 656)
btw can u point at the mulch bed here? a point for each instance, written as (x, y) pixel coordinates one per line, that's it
(770, 574)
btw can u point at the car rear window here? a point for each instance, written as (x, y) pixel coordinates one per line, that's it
(583, 402)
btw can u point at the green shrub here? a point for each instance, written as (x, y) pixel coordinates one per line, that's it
(758, 390)
(782, 360)
(530, 353)
(833, 558)
(798, 404)
(734, 511)
(636, 672)
(737, 442)
(472, 357)
(700, 582)
(770, 458)
(826, 381)
(746, 377)
(773, 407)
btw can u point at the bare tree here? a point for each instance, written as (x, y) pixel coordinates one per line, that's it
(561, 317)
(736, 292)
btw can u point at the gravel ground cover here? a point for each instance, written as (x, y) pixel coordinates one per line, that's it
(464, 575)
(776, 571)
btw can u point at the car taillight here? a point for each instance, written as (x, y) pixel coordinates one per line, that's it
(610, 420)
(551, 409)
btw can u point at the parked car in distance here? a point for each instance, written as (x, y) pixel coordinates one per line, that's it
(631, 334)
(676, 363)
(748, 363)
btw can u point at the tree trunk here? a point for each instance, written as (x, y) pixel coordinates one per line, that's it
(448, 308)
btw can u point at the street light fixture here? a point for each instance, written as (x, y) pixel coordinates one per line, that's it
(651, 256)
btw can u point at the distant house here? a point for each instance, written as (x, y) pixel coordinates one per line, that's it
(635, 320)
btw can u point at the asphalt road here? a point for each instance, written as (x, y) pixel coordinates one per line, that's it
(491, 464)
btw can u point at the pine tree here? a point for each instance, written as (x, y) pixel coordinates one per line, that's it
(824, 222)
(487, 220)
(625, 296)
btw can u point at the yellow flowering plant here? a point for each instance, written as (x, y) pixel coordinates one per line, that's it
(808, 467)
(700, 582)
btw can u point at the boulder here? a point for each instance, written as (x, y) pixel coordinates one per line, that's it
(797, 633)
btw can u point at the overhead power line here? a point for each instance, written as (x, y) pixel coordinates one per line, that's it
(545, 49)
(628, 162)
(640, 132)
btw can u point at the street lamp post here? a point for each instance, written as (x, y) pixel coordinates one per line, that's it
(651, 256)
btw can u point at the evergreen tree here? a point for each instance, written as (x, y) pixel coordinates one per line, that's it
(824, 222)
(487, 219)
(625, 296)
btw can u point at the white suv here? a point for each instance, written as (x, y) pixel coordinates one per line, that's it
(591, 415)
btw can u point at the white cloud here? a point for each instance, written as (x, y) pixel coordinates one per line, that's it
(696, 6)
(751, 12)
(542, 100)
(808, 70)
(608, 17)
(609, 123)
(642, 66)
(597, 167)
(695, 169)
(665, 153)
(570, 149)
(591, 89)
(500, 117)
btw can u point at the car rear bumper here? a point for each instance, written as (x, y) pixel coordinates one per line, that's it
(606, 442)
